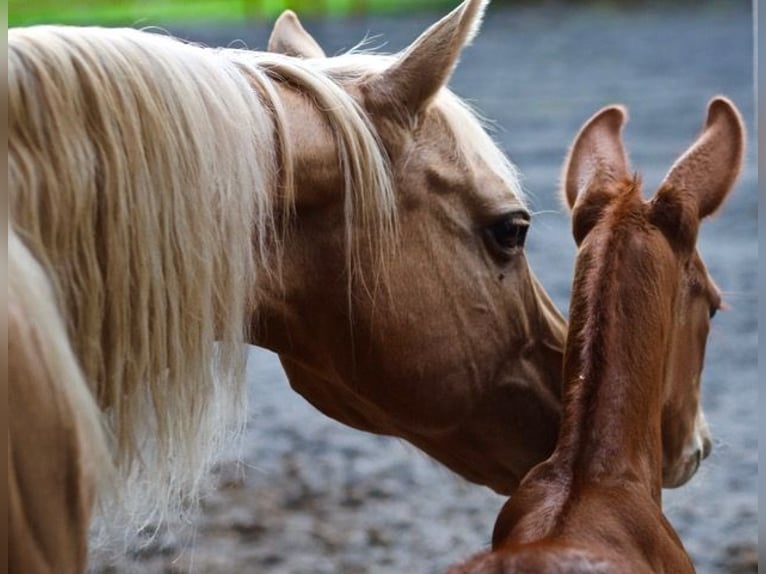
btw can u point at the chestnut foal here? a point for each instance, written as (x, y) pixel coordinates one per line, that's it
(639, 318)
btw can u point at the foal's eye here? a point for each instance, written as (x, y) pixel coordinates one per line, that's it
(509, 232)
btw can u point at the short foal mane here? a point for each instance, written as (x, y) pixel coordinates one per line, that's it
(606, 292)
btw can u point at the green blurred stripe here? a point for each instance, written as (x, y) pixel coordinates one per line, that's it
(23, 12)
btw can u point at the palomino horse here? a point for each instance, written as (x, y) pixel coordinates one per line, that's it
(170, 203)
(639, 318)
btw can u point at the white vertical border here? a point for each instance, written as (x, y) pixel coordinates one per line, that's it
(758, 48)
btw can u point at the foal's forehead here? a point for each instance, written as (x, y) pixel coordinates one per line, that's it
(626, 225)
(617, 221)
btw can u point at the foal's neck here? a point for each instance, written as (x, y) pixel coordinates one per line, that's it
(613, 370)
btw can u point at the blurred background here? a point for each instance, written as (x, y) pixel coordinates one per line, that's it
(313, 496)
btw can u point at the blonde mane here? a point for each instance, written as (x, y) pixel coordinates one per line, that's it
(151, 182)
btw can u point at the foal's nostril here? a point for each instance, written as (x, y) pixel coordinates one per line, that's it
(698, 455)
(707, 446)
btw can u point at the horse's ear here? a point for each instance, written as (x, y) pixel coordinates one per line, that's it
(597, 155)
(412, 81)
(709, 168)
(290, 38)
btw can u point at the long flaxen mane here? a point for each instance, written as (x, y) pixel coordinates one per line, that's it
(151, 184)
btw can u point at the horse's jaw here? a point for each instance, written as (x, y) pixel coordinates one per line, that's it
(489, 415)
(511, 426)
(499, 455)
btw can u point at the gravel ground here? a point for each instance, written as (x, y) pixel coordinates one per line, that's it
(313, 496)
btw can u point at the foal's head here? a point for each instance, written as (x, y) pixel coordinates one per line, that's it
(662, 277)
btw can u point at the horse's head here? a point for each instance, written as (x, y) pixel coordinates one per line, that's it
(408, 308)
(668, 282)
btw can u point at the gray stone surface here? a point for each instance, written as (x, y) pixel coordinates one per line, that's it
(313, 496)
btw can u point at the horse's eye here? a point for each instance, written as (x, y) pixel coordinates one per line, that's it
(509, 232)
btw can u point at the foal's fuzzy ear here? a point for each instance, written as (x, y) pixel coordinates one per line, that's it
(413, 80)
(597, 154)
(709, 168)
(290, 38)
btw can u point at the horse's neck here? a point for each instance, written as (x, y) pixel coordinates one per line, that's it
(613, 376)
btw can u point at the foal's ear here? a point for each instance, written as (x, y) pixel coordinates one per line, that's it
(290, 38)
(424, 68)
(708, 169)
(597, 155)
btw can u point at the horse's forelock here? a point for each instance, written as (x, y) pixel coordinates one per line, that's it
(472, 139)
(370, 201)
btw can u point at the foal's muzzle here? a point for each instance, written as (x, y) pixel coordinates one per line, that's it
(698, 449)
